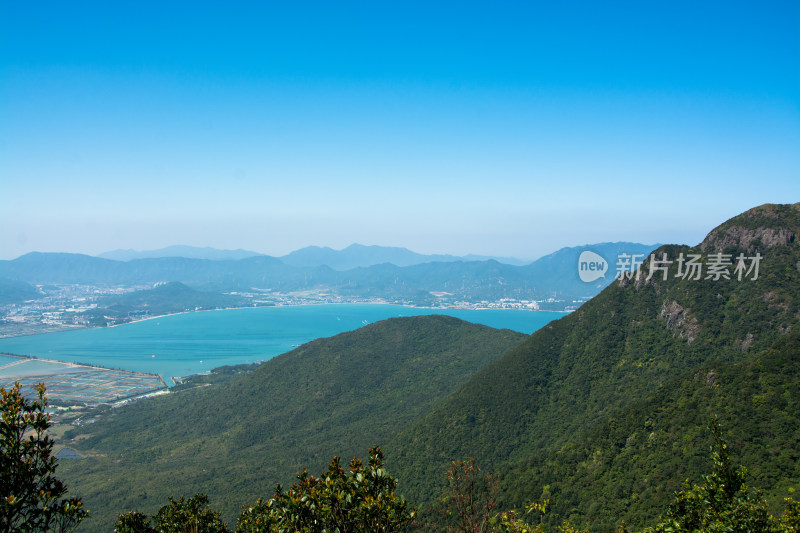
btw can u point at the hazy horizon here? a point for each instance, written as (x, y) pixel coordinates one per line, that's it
(521, 259)
(512, 130)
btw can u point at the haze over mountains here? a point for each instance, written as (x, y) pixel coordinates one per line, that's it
(190, 252)
(13, 291)
(358, 255)
(417, 279)
(353, 256)
(605, 411)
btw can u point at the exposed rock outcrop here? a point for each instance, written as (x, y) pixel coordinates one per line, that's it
(759, 228)
(679, 321)
(748, 240)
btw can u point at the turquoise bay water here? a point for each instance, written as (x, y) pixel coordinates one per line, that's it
(180, 345)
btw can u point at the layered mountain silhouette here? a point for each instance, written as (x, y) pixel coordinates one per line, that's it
(188, 252)
(359, 255)
(417, 279)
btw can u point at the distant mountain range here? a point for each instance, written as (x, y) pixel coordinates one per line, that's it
(189, 252)
(358, 255)
(429, 283)
(354, 256)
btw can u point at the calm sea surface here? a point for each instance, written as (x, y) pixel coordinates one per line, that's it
(180, 345)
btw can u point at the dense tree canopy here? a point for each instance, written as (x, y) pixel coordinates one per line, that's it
(361, 499)
(29, 491)
(178, 516)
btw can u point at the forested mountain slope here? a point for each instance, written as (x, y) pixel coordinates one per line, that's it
(630, 464)
(620, 350)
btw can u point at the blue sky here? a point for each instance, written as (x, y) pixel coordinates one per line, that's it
(503, 128)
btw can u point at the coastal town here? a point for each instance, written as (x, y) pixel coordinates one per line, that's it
(75, 306)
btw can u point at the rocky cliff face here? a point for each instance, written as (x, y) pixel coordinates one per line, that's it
(762, 227)
(679, 320)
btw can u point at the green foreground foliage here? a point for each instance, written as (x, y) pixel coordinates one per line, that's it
(361, 499)
(724, 503)
(29, 491)
(178, 516)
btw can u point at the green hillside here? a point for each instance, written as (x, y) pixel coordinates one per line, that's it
(628, 466)
(12, 291)
(617, 351)
(164, 299)
(173, 297)
(338, 395)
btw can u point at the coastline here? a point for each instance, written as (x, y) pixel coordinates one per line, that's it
(409, 306)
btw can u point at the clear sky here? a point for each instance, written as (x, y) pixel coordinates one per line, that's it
(497, 128)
